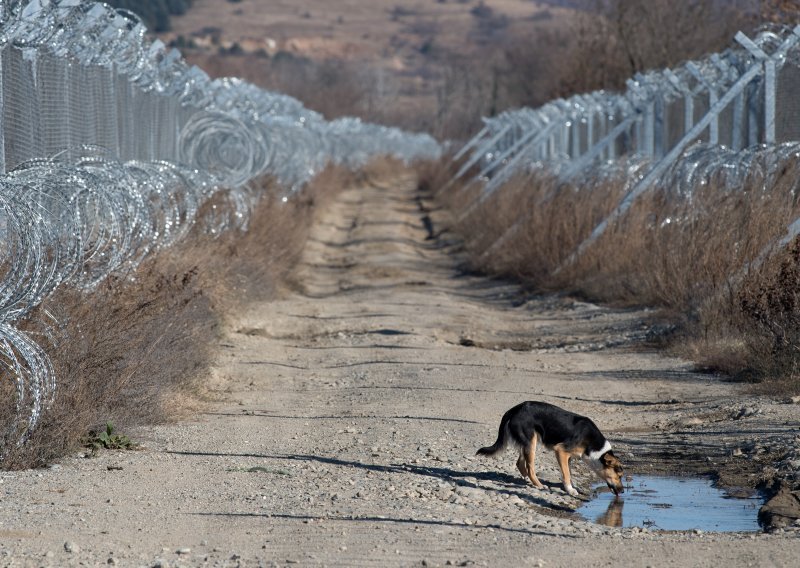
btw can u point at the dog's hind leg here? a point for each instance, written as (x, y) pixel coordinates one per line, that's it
(521, 464)
(530, 462)
(563, 457)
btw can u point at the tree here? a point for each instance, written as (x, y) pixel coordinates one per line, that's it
(780, 11)
(620, 38)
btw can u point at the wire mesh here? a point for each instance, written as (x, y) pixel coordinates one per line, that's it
(727, 115)
(110, 145)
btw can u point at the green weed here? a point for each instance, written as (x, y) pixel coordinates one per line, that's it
(108, 439)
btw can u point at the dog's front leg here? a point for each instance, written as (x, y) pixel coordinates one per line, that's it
(563, 462)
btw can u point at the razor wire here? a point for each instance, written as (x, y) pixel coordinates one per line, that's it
(730, 116)
(111, 143)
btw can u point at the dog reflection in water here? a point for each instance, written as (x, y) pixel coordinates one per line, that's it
(613, 515)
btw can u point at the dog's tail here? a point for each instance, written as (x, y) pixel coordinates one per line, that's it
(502, 437)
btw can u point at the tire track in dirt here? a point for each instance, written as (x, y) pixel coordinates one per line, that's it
(388, 396)
(354, 406)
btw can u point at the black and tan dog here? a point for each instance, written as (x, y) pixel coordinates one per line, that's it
(570, 435)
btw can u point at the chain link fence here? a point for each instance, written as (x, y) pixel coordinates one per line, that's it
(727, 113)
(111, 143)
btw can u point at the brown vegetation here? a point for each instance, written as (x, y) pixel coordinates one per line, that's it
(620, 38)
(700, 259)
(138, 349)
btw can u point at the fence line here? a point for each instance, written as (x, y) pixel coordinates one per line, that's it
(733, 100)
(110, 143)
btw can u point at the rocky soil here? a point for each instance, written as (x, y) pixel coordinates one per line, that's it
(349, 413)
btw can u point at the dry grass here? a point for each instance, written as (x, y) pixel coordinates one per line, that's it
(698, 259)
(139, 348)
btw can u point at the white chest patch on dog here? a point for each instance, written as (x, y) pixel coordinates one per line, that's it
(595, 456)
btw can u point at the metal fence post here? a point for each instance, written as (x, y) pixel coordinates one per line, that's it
(472, 142)
(713, 97)
(753, 106)
(657, 169)
(737, 138)
(2, 108)
(770, 80)
(479, 152)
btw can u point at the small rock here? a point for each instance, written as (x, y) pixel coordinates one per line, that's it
(698, 531)
(744, 412)
(469, 492)
(70, 546)
(111, 561)
(795, 400)
(184, 550)
(159, 563)
(737, 452)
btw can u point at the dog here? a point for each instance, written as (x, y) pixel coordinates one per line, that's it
(568, 434)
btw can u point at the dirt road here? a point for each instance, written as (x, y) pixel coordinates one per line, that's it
(352, 410)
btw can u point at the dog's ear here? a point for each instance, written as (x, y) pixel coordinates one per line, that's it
(609, 459)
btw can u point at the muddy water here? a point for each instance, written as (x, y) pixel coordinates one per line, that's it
(673, 503)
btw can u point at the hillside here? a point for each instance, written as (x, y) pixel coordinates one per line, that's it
(386, 60)
(439, 65)
(377, 29)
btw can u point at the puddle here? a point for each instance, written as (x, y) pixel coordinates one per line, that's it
(673, 504)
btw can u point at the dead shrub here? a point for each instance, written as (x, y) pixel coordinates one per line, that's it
(382, 170)
(126, 356)
(695, 257)
(770, 305)
(138, 349)
(527, 228)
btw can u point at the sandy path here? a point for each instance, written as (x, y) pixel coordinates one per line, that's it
(352, 412)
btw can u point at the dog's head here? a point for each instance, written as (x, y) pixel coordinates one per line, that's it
(610, 470)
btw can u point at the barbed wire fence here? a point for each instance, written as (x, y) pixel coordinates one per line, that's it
(730, 113)
(110, 145)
